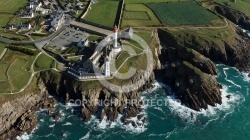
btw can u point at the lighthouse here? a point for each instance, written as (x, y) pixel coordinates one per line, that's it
(115, 37)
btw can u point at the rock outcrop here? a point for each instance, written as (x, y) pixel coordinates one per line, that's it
(190, 70)
(18, 115)
(236, 17)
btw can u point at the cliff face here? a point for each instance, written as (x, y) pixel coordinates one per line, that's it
(18, 115)
(189, 55)
(97, 99)
(234, 16)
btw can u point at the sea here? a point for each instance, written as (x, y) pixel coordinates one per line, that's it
(171, 120)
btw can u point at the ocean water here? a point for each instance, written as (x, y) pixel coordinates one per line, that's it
(172, 121)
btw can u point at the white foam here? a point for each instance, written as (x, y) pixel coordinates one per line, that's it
(190, 115)
(86, 136)
(224, 71)
(246, 77)
(230, 81)
(104, 123)
(51, 126)
(25, 136)
(67, 123)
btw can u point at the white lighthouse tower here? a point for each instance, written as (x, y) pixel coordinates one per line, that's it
(115, 37)
(107, 68)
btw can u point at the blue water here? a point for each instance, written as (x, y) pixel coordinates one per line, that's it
(228, 121)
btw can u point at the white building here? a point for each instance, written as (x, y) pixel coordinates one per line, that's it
(116, 48)
(55, 21)
(107, 68)
(83, 42)
(28, 15)
(25, 27)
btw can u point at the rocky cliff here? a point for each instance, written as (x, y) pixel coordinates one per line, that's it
(190, 55)
(236, 17)
(18, 115)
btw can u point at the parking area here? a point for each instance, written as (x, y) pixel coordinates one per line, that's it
(68, 38)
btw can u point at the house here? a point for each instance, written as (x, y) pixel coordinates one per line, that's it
(44, 11)
(33, 5)
(45, 2)
(11, 26)
(28, 15)
(55, 21)
(68, 5)
(25, 26)
(79, 5)
(82, 43)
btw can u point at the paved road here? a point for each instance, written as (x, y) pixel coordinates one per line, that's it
(91, 28)
(35, 41)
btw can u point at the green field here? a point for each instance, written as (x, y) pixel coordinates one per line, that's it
(14, 72)
(5, 19)
(121, 59)
(138, 15)
(240, 5)
(182, 13)
(2, 47)
(11, 6)
(103, 12)
(150, 1)
(43, 62)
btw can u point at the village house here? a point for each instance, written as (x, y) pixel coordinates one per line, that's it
(82, 43)
(55, 21)
(25, 26)
(31, 9)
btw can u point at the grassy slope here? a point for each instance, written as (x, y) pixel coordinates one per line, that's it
(2, 46)
(103, 12)
(240, 5)
(16, 65)
(11, 5)
(5, 19)
(43, 62)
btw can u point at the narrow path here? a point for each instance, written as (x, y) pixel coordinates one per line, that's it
(3, 53)
(31, 77)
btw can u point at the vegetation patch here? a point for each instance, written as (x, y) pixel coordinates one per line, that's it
(240, 5)
(5, 18)
(4, 68)
(182, 13)
(103, 12)
(11, 6)
(43, 62)
(14, 71)
(135, 13)
(24, 50)
(123, 56)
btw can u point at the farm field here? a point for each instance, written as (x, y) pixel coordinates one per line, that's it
(150, 1)
(103, 12)
(240, 5)
(11, 6)
(2, 47)
(182, 13)
(5, 18)
(138, 15)
(14, 73)
(43, 62)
